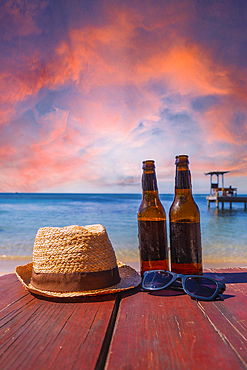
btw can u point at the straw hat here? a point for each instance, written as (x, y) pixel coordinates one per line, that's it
(75, 261)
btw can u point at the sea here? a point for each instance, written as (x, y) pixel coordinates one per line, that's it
(224, 231)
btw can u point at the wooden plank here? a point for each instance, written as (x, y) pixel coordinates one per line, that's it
(12, 319)
(229, 317)
(10, 290)
(42, 334)
(162, 331)
(7, 283)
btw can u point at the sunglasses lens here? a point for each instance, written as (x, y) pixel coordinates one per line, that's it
(157, 279)
(200, 286)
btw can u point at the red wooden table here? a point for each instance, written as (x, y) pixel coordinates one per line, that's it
(134, 330)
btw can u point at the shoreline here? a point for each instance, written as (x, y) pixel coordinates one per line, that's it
(7, 266)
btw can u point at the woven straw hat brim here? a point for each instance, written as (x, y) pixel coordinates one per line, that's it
(129, 279)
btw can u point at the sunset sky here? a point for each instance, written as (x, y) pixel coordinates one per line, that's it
(91, 88)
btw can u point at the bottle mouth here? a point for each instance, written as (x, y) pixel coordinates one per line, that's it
(181, 159)
(148, 164)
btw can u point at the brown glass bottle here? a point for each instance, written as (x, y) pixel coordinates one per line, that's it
(184, 217)
(151, 217)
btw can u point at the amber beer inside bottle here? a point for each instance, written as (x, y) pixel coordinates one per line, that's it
(152, 231)
(184, 217)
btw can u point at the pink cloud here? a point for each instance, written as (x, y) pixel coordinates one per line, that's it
(18, 17)
(129, 83)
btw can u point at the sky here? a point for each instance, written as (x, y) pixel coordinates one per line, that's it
(91, 88)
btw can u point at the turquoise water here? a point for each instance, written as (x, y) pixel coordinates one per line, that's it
(224, 231)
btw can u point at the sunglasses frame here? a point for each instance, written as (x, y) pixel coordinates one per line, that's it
(220, 288)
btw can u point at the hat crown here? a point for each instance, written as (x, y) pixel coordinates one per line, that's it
(73, 249)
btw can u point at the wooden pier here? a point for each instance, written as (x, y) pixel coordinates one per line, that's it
(223, 200)
(221, 194)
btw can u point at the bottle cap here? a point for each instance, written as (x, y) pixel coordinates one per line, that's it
(148, 164)
(182, 159)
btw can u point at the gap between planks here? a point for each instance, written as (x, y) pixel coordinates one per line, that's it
(100, 365)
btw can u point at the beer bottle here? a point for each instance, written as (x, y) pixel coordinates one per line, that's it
(184, 217)
(152, 231)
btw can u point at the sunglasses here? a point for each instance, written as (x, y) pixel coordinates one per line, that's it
(196, 286)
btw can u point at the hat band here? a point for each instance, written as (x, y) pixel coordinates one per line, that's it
(75, 281)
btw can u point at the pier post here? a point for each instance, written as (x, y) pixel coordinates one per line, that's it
(217, 203)
(230, 205)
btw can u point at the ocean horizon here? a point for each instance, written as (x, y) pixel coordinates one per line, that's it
(224, 231)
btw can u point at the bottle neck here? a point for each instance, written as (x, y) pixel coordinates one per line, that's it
(149, 182)
(183, 178)
(150, 208)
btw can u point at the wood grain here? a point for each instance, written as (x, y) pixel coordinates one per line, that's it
(162, 330)
(40, 334)
(167, 331)
(229, 317)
